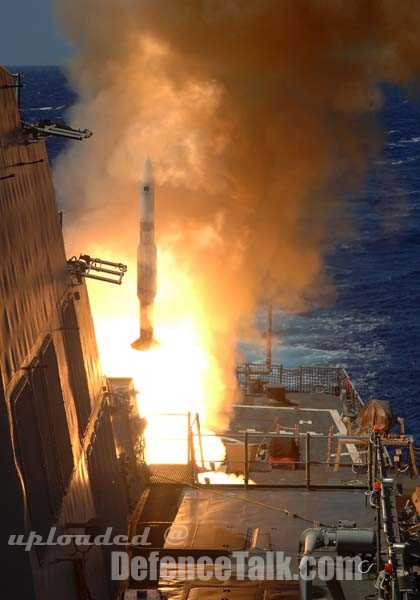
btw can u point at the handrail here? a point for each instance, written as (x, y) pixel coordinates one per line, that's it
(304, 378)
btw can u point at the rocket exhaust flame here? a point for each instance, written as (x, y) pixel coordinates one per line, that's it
(146, 258)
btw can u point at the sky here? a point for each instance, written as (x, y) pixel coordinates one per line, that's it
(29, 35)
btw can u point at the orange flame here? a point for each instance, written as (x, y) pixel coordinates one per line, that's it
(178, 376)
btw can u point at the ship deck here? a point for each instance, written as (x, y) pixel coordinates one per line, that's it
(263, 504)
(227, 521)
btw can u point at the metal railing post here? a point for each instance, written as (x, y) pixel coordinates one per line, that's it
(246, 470)
(308, 460)
(330, 444)
(200, 441)
(191, 453)
(189, 438)
(370, 464)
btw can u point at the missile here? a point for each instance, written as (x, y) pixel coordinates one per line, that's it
(146, 258)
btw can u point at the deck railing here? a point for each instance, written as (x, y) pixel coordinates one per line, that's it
(325, 459)
(314, 464)
(300, 379)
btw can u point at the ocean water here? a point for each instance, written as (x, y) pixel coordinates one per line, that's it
(373, 328)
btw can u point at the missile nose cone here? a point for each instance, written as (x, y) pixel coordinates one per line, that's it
(147, 170)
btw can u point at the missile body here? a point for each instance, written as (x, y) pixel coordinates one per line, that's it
(146, 258)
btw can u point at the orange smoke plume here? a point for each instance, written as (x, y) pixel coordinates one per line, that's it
(259, 117)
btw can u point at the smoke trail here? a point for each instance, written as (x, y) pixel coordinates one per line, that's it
(259, 116)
